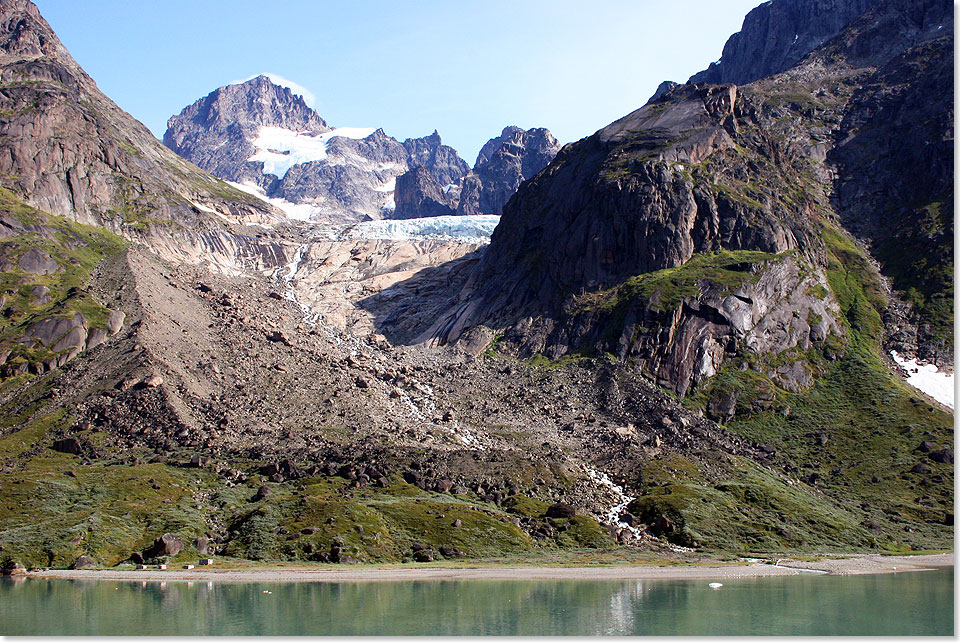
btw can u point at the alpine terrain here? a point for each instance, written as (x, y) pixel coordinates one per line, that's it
(265, 138)
(721, 324)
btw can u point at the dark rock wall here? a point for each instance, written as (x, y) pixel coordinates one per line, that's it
(704, 168)
(777, 35)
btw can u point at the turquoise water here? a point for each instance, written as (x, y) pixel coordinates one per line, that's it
(899, 604)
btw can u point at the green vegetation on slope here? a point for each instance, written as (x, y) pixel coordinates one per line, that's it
(55, 507)
(855, 434)
(743, 509)
(925, 273)
(75, 248)
(665, 289)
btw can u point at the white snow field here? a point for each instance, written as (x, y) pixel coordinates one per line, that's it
(298, 211)
(279, 148)
(927, 378)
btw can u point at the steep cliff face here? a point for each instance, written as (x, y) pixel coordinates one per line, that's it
(418, 195)
(647, 209)
(449, 187)
(503, 163)
(71, 151)
(670, 182)
(897, 194)
(777, 35)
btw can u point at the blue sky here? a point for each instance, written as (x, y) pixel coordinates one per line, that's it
(466, 69)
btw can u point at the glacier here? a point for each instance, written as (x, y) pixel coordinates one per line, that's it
(465, 229)
(474, 228)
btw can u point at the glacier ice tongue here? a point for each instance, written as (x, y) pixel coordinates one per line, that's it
(467, 229)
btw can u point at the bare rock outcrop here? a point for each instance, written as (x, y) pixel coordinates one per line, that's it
(639, 240)
(503, 163)
(418, 194)
(777, 35)
(38, 262)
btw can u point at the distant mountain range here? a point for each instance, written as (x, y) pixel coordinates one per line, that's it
(263, 137)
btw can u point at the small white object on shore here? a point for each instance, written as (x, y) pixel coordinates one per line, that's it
(206, 561)
(714, 585)
(188, 566)
(141, 567)
(162, 567)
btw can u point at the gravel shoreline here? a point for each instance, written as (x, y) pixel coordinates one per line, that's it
(852, 565)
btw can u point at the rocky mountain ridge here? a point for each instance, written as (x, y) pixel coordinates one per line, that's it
(777, 35)
(73, 158)
(263, 135)
(679, 177)
(87, 181)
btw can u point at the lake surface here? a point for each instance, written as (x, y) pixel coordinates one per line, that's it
(919, 603)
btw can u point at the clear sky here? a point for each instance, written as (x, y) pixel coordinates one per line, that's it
(466, 69)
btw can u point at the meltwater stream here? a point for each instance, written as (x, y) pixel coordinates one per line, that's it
(917, 603)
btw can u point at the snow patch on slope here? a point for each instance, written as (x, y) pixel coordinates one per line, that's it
(927, 378)
(204, 208)
(298, 211)
(279, 148)
(467, 229)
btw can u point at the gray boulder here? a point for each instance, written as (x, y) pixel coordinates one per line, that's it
(83, 562)
(561, 510)
(38, 262)
(115, 321)
(167, 545)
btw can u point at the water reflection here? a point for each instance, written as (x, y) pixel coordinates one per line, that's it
(904, 604)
